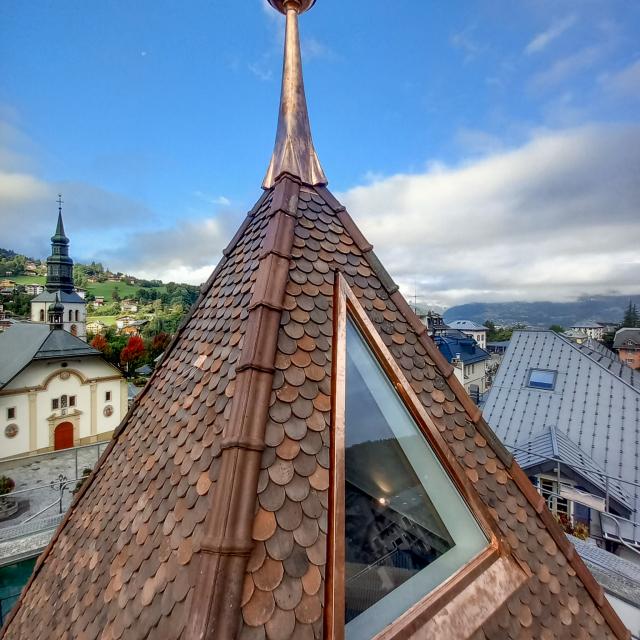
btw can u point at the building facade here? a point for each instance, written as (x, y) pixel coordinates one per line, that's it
(60, 286)
(472, 329)
(627, 345)
(55, 391)
(591, 329)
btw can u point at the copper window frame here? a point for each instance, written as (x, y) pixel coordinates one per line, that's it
(346, 305)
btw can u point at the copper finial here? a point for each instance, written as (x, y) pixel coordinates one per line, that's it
(294, 152)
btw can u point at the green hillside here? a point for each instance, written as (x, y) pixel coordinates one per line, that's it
(105, 289)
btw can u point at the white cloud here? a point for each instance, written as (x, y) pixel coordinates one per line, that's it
(465, 41)
(564, 68)
(542, 40)
(625, 82)
(552, 219)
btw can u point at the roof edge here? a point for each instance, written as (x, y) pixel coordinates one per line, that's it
(119, 430)
(227, 543)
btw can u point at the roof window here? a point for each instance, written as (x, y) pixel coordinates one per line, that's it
(542, 379)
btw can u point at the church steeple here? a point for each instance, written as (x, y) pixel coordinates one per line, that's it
(293, 152)
(59, 264)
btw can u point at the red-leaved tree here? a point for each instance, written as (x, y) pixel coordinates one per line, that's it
(100, 343)
(133, 351)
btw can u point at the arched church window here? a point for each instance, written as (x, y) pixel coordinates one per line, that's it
(41, 315)
(70, 315)
(77, 316)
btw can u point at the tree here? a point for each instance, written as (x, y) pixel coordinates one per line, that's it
(631, 317)
(100, 343)
(115, 294)
(557, 328)
(159, 343)
(132, 352)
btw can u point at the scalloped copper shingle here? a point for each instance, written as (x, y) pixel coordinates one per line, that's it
(125, 562)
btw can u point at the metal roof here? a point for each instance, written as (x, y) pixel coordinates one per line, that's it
(595, 408)
(627, 337)
(65, 297)
(467, 325)
(452, 346)
(609, 359)
(616, 575)
(553, 444)
(24, 342)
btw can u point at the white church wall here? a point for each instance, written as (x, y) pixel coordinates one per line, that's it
(100, 402)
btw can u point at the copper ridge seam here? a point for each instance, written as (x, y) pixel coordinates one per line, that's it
(215, 610)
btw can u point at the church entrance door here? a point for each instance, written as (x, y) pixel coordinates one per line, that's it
(63, 436)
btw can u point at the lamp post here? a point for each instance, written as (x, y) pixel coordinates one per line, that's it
(60, 484)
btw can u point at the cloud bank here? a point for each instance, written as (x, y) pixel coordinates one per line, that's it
(551, 220)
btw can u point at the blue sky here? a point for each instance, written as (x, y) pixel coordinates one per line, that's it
(490, 150)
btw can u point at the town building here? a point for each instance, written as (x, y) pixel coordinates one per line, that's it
(574, 335)
(133, 328)
(304, 464)
(130, 306)
(124, 321)
(472, 329)
(468, 359)
(96, 327)
(569, 412)
(591, 329)
(627, 345)
(55, 390)
(33, 289)
(59, 286)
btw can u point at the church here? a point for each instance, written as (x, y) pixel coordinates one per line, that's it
(60, 287)
(56, 391)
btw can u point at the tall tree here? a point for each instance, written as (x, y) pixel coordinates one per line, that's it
(132, 352)
(631, 318)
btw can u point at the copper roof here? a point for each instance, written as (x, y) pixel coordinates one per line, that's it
(207, 515)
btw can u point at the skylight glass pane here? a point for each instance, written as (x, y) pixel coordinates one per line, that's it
(407, 529)
(542, 379)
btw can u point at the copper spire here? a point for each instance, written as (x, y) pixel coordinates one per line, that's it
(293, 152)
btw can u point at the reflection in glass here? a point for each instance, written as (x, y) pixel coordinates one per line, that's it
(406, 527)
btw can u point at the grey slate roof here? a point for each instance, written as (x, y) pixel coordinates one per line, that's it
(48, 296)
(625, 336)
(610, 360)
(551, 443)
(26, 341)
(596, 409)
(616, 575)
(467, 325)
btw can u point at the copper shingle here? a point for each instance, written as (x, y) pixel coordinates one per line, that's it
(208, 514)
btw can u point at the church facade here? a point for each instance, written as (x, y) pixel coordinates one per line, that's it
(56, 391)
(60, 286)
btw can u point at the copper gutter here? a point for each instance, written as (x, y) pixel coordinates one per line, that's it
(227, 543)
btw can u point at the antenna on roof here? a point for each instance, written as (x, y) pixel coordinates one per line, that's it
(293, 151)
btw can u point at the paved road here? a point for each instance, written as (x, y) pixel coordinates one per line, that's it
(37, 474)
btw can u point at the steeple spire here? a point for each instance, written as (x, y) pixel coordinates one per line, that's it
(60, 226)
(59, 264)
(293, 152)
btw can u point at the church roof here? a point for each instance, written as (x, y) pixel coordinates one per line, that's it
(210, 512)
(25, 342)
(64, 296)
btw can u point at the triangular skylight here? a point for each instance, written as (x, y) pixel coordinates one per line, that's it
(407, 529)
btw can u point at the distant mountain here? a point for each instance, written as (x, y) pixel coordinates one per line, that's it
(544, 314)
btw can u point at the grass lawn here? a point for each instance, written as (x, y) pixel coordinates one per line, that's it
(105, 289)
(27, 279)
(108, 320)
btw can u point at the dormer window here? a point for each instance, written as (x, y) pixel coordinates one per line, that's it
(542, 379)
(400, 526)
